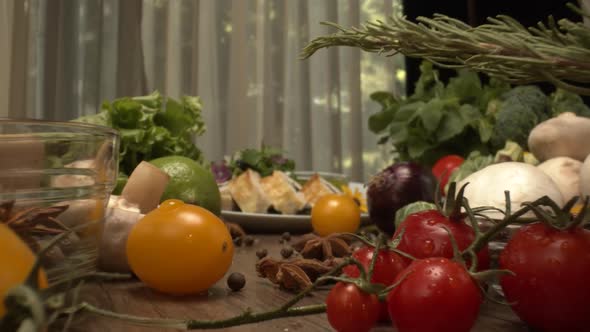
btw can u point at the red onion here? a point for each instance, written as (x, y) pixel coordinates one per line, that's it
(396, 186)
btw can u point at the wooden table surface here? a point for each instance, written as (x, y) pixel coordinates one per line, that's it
(258, 295)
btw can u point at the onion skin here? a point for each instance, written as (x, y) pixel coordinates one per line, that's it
(396, 186)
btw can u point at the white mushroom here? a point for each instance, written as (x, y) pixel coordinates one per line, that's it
(566, 135)
(525, 182)
(565, 172)
(145, 186)
(585, 177)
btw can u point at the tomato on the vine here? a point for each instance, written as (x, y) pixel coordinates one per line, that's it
(335, 213)
(550, 288)
(443, 168)
(387, 267)
(424, 236)
(179, 248)
(349, 309)
(436, 294)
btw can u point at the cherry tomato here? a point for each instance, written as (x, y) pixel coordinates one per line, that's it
(17, 260)
(179, 248)
(436, 294)
(424, 237)
(443, 168)
(550, 290)
(387, 267)
(349, 309)
(334, 213)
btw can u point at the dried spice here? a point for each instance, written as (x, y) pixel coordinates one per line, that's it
(261, 253)
(31, 222)
(236, 281)
(321, 248)
(235, 230)
(248, 241)
(286, 252)
(295, 274)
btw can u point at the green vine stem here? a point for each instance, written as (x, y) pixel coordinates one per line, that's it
(247, 317)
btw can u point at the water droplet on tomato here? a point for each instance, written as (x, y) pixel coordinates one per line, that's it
(428, 247)
(545, 241)
(451, 279)
(432, 286)
(431, 222)
(565, 245)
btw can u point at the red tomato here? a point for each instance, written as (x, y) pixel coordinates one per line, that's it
(424, 237)
(443, 168)
(349, 309)
(550, 290)
(436, 295)
(387, 267)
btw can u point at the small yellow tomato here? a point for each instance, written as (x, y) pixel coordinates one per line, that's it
(179, 248)
(335, 213)
(17, 260)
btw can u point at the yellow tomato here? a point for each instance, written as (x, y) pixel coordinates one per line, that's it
(179, 248)
(335, 213)
(17, 260)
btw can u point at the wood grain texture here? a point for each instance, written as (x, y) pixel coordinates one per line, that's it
(258, 295)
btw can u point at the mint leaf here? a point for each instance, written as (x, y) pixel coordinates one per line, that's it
(451, 125)
(384, 98)
(378, 122)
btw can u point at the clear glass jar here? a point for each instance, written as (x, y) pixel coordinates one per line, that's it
(57, 164)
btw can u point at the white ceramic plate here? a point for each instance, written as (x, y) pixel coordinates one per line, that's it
(273, 223)
(278, 223)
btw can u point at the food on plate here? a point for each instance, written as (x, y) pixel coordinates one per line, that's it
(17, 260)
(190, 182)
(315, 188)
(179, 248)
(335, 213)
(282, 192)
(276, 193)
(566, 135)
(396, 186)
(248, 193)
(263, 161)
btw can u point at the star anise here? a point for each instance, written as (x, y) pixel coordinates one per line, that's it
(31, 222)
(323, 248)
(235, 230)
(293, 275)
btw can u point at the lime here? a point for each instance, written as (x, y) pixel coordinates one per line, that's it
(190, 182)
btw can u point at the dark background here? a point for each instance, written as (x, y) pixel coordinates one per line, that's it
(475, 13)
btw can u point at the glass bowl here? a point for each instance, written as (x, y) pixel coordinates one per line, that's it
(56, 176)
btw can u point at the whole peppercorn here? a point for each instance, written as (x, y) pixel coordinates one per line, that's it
(238, 241)
(286, 236)
(261, 253)
(236, 281)
(286, 252)
(248, 241)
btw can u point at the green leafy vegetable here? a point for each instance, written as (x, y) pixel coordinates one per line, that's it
(438, 119)
(151, 127)
(563, 101)
(263, 161)
(521, 109)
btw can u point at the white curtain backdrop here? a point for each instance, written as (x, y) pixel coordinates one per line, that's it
(240, 56)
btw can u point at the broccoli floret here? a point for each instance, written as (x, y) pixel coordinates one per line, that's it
(565, 101)
(521, 109)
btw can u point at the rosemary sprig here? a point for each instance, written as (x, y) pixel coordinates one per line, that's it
(558, 52)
